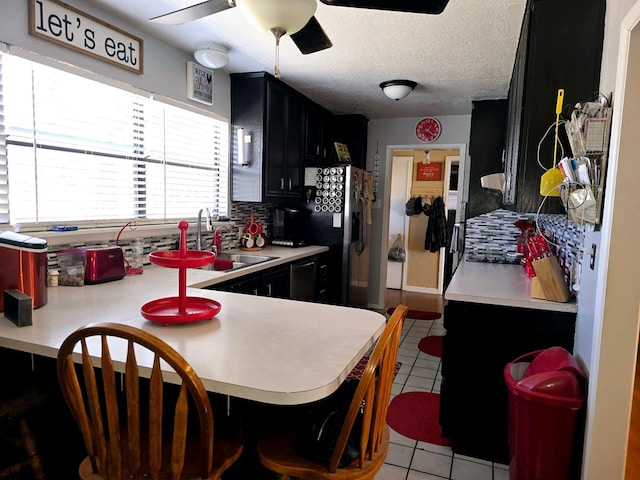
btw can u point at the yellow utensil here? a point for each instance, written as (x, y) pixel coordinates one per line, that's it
(553, 177)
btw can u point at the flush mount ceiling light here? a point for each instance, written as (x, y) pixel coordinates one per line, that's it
(211, 55)
(397, 89)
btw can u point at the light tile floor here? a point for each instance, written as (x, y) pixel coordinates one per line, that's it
(413, 460)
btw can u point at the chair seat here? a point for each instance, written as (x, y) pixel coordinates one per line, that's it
(225, 453)
(277, 452)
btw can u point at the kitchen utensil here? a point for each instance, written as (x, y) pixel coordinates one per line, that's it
(553, 177)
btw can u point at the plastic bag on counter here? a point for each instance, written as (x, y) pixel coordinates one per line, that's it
(397, 252)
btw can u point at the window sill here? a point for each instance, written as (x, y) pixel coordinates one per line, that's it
(109, 234)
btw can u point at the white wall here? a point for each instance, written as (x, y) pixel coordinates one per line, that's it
(387, 135)
(164, 66)
(614, 317)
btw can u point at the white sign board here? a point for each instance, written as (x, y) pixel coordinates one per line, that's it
(59, 23)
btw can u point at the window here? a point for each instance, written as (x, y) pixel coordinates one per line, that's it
(77, 150)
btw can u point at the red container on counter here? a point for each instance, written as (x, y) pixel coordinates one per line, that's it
(23, 266)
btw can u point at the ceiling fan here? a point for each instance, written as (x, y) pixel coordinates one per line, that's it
(294, 17)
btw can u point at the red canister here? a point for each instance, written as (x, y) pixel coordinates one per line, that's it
(23, 266)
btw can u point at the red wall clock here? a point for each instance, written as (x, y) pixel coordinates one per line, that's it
(428, 129)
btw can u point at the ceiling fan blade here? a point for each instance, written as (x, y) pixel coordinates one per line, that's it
(311, 38)
(194, 12)
(412, 6)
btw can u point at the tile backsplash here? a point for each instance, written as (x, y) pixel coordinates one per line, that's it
(492, 237)
(239, 214)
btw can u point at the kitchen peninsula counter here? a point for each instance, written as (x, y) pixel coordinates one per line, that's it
(490, 320)
(498, 284)
(259, 348)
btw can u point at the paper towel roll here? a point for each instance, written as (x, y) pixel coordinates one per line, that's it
(495, 181)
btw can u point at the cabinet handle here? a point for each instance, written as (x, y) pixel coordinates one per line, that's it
(289, 183)
(281, 183)
(318, 150)
(269, 290)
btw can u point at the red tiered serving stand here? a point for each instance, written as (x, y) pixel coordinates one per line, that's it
(181, 309)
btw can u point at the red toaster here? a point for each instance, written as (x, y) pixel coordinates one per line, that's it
(23, 266)
(104, 264)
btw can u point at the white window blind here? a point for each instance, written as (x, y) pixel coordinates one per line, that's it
(76, 150)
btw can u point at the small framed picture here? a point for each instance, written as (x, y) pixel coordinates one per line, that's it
(199, 83)
(429, 172)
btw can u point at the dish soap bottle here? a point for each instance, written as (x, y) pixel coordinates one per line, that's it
(138, 253)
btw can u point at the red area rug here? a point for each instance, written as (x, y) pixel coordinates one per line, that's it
(431, 345)
(415, 415)
(418, 314)
(358, 370)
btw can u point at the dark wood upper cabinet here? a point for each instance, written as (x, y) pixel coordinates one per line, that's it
(288, 133)
(317, 124)
(486, 146)
(273, 115)
(560, 46)
(352, 131)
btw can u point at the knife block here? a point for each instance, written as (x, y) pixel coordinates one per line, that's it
(549, 284)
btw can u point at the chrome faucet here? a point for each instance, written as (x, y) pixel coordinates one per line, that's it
(199, 227)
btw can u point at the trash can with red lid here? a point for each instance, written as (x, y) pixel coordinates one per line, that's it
(545, 404)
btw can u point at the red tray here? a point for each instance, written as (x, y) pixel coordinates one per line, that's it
(167, 310)
(172, 259)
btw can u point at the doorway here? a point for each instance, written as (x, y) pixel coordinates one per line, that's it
(422, 271)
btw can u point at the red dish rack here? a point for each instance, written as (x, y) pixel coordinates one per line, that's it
(181, 309)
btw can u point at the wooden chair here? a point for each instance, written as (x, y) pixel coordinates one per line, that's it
(277, 450)
(126, 422)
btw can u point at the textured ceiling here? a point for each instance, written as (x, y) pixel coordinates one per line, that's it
(464, 54)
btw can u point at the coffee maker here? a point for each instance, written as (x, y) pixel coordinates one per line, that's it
(288, 227)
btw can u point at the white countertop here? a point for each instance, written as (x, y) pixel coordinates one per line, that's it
(498, 284)
(204, 278)
(259, 348)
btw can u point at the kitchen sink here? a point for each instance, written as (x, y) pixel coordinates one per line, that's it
(234, 261)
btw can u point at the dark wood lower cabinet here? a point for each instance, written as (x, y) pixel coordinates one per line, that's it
(480, 340)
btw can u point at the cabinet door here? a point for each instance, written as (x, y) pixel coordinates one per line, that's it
(275, 145)
(313, 133)
(318, 135)
(552, 58)
(294, 171)
(352, 131)
(486, 145)
(275, 282)
(480, 340)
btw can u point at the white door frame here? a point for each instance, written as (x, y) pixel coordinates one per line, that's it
(462, 152)
(617, 323)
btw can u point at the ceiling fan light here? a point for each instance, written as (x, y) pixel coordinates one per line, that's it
(211, 55)
(288, 15)
(397, 89)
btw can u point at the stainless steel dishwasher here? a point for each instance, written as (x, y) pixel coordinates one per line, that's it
(302, 276)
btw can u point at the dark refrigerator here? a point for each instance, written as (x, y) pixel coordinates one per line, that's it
(339, 217)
